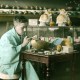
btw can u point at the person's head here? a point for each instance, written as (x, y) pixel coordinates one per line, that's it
(62, 11)
(20, 24)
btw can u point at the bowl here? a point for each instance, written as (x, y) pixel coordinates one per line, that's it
(40, 44)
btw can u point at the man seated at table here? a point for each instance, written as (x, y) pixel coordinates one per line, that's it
(10, 47)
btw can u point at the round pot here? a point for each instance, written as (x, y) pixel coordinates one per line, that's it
(39, 44)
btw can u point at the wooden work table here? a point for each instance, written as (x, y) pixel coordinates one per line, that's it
(47, 60)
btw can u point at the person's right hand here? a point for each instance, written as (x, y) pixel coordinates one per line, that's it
(25, 41)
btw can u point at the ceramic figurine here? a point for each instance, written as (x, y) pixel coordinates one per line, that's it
(63, 18)
(45, 18)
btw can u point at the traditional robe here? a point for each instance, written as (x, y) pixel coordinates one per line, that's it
(10, 65)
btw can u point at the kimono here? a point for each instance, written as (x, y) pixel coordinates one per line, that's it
(10, 65)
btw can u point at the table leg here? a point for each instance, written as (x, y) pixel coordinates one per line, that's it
(23, 69)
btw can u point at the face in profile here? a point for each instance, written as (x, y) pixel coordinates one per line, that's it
(20, 27)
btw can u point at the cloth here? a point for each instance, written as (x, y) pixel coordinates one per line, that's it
(10, 47)
(30, 72)
(6, 76)
(57, 41)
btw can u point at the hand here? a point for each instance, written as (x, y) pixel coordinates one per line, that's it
(25, 41)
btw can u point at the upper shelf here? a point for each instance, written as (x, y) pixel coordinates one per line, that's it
(34, 12)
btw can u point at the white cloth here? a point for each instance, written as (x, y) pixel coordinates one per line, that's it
(6, 76)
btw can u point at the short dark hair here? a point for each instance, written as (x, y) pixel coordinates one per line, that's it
(20, 18)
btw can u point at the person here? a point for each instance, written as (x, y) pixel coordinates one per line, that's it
(10, 47)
